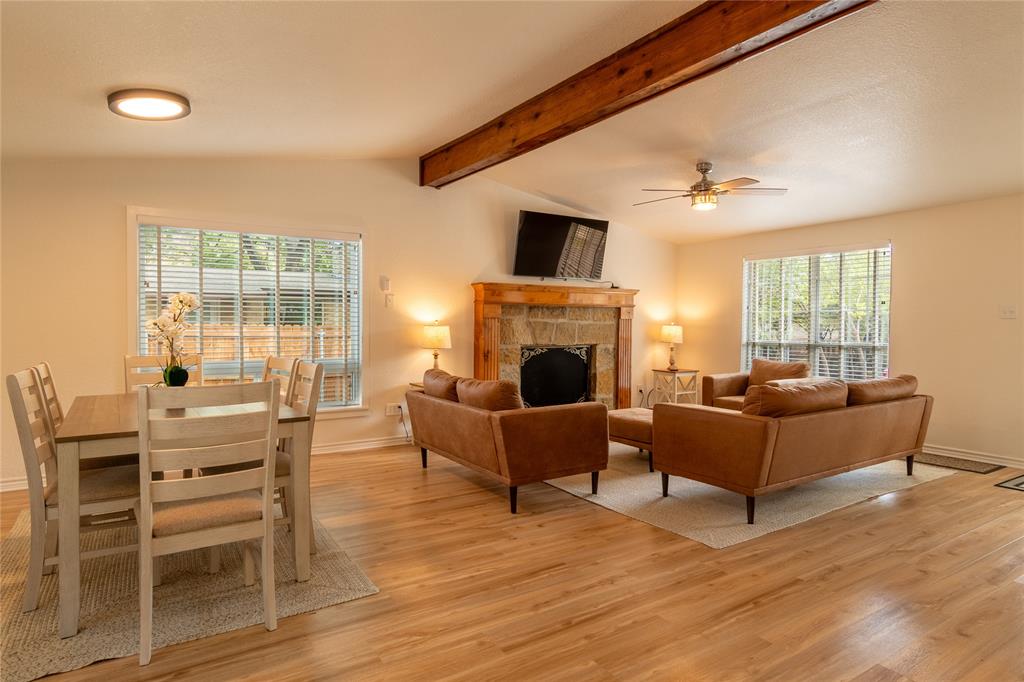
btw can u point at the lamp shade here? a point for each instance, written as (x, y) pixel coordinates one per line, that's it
(436, 336)
(671, 333)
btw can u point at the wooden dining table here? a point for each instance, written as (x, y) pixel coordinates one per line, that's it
(108, 425)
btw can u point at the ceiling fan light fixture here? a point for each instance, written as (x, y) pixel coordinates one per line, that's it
(148, 105)
(704, 201)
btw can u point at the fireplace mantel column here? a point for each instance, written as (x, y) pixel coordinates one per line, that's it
(486, 333)
(624, 358)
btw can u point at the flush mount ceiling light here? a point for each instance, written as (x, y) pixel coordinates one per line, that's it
(148, 105)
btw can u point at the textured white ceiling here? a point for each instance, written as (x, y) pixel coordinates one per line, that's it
(320, 79)
(899, 106)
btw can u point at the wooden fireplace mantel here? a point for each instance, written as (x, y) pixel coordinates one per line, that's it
(490, 296)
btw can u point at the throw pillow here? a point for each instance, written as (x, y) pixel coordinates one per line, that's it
(881, 390)
(766, 370)
(440, 384)
(782, 401)
(490, 395)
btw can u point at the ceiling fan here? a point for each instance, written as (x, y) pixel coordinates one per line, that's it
(705, 192)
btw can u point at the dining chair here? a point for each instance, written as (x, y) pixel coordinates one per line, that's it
(152, 370)
(175, 515)
(305, 396)
(283, 369)
(55, 414)
(107, 495)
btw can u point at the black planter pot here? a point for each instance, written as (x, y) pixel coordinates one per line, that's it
(175, 376)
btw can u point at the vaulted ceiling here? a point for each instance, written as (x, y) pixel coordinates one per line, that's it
(898, 106)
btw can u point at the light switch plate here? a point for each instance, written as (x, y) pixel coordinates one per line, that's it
(1008, 311)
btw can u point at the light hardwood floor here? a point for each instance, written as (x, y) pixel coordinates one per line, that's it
(922, 584)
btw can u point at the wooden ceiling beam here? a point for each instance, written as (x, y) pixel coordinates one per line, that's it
(705, 39)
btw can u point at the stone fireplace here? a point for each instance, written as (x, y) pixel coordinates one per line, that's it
(516, 324)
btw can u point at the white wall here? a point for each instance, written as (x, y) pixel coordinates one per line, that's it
(953, 266)
(64, 263)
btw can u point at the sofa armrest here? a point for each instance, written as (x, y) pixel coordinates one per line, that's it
(538, 443)
(720, 385)
(714, 445)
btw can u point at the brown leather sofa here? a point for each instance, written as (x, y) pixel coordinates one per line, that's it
(484, 426)
(728, 390)
(791, 434)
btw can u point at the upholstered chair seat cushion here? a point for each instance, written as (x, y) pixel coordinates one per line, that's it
(762, 371)
(490, 395)
(96, 485)
(729, 402)
(781, 401)
(440, 384)
(881, 390)
(185, 516)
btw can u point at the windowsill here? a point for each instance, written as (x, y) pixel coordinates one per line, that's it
(342, 412)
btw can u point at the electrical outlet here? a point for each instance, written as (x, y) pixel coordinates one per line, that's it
(393, 409)
(389, 299)
(1008, 311)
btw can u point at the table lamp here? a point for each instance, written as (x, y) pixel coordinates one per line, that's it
(435, 337)
(672, 334)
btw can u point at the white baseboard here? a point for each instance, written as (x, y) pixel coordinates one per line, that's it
(20, 483)
(357, 445)
(9, 484)
(987, 457)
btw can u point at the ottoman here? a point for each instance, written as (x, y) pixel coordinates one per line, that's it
(633, 426)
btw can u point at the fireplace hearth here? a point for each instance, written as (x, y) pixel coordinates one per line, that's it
(555, 375)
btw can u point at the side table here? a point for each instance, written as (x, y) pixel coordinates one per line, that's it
(679, 386)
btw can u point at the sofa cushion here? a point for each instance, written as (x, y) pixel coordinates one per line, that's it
(881, 390)
(729, 402)
(781, 401)
(440, 384)
(762, 371)
(489, 395)
(631, 423)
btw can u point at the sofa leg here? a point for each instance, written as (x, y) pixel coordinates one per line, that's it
(650, 461)
(910, 465)
(512, 495)
(423, 457)
(593, 481)
(664, 484)
(750, 509)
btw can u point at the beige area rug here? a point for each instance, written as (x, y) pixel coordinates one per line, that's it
(718, 518)
(190, 603)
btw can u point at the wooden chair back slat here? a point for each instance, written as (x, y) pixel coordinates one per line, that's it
(305, 396)
(206, 456)
(177, 397)
(283, 369)
(153, 372)
(54, 409)
(221, 428)
(175, 490)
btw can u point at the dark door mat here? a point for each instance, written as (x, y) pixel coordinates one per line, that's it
(958, 463)
(1013, 484)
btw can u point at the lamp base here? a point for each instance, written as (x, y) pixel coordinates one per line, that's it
(435, 360)
(672, 359)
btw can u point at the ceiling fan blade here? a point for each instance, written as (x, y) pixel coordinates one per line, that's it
(664, 190)
(736, 182)
(678, 196)
(756, 191)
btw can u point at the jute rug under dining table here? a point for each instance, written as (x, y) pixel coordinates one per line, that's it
(718, 518)
(189, 604)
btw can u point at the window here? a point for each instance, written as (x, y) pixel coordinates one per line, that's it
(260, 295)
(830, 310)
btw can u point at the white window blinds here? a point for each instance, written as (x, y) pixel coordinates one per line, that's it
(830, 310)
(260, 295)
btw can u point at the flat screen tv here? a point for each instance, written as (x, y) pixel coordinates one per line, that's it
(552, 245)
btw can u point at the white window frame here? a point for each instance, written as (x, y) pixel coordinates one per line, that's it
(138, 215)
(886, 243)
